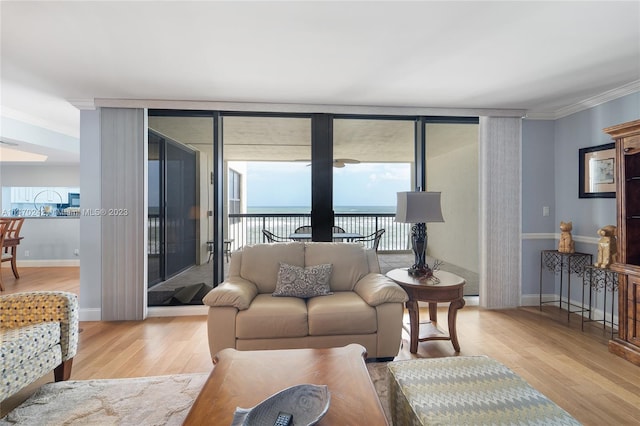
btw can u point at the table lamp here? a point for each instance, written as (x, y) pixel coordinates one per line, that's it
(419, 208)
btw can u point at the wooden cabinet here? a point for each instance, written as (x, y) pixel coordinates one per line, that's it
(627, 138)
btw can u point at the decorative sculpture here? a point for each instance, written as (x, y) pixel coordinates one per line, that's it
(607, 247)
(566, 245)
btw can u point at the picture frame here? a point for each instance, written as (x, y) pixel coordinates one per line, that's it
(597, 171)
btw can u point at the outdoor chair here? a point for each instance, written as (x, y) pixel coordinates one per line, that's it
(337, 230)
(371, 240)
(306, 229)
(273, 238)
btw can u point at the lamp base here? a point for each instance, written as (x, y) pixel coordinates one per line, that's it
(420, 271)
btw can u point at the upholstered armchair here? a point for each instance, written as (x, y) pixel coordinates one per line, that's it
(38, 333)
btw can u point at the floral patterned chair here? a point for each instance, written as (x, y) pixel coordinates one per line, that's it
(38, 333)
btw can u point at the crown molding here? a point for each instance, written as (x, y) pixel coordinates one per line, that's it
(92, 104)
(303, 108)
(591, 102)
(83, 104)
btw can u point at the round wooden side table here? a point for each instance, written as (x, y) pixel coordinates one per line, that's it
(442, 287)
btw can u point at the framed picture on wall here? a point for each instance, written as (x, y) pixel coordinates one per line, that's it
(597, 171)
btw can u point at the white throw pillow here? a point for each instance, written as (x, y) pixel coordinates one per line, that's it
(295, 281)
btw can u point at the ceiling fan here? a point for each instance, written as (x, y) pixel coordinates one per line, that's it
(6, 141)
(341, 162)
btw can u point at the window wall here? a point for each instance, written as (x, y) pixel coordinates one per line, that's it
(451, 158)
(280, 171)
(273, 155)
(372, 161)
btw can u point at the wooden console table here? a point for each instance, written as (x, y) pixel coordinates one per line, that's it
(442, 287)
(560, 263)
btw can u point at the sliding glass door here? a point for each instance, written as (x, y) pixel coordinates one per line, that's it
(172, 223)
(257, 172)
(373, 159)
(268, 167)
(452, 164)
(180, 208)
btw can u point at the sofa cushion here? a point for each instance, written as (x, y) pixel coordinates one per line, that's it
(21, 345)
(261, 262)
(305, 282)
(340, 313)
(272, 317)
(349, 262)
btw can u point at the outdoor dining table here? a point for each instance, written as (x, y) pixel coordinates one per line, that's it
(348, 236)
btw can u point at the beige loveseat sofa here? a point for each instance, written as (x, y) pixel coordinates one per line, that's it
(364, 306)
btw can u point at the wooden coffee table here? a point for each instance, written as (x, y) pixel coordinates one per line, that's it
(446, 287)
(246, 378)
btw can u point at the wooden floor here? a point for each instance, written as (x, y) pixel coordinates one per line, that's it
(571, 367)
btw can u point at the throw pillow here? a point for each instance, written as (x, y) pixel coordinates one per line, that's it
(295, 281)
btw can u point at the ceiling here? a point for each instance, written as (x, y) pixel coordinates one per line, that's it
(541, 57)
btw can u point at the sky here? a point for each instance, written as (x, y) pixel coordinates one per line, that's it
(289, 184)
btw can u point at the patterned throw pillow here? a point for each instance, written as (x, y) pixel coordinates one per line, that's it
(306, 282)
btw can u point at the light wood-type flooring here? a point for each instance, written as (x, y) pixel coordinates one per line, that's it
(571, 367)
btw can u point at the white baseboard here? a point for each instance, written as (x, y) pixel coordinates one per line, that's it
(47, 263)
(95, 314)
(534, 300)
(91, 314)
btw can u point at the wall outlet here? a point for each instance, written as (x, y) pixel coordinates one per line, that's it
(76, 252)
(26, 253)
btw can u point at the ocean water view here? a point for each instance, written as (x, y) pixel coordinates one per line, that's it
(364, 220)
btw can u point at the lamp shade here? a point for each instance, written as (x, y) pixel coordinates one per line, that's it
(419, 207)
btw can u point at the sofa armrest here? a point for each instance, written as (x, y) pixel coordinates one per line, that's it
(376, 289)
(21, 309)
(235, 292)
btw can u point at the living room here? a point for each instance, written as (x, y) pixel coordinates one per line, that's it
(546, 173)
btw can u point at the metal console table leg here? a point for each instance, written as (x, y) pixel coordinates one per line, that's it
(600, 280)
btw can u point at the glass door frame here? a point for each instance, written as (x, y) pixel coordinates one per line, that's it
(322, 214)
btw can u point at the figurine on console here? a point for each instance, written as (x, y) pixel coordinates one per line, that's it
(566, 245)
(607, 247)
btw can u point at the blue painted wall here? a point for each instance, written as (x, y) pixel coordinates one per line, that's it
(550, 178)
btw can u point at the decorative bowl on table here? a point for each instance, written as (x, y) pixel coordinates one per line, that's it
(306, 403)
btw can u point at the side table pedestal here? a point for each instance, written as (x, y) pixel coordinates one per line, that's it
(442, 287)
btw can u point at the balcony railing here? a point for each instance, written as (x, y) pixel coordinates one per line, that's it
(247, 228)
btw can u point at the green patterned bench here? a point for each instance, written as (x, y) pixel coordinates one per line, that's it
(467, 390)
(38, 333)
